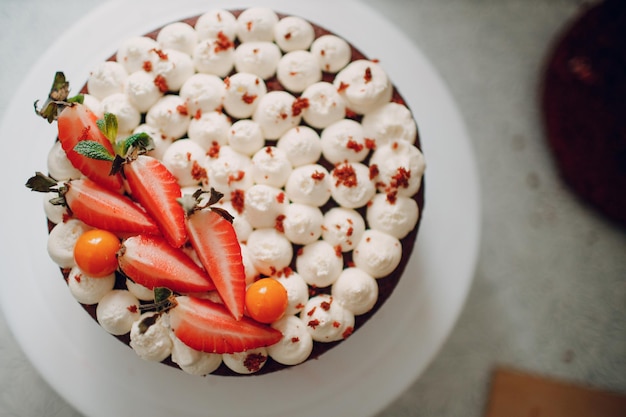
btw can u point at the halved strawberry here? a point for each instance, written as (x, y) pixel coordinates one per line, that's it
(209, 327)
(152, 262)
(157, 190)
(97, 206)
(75, 124)
(214, 240)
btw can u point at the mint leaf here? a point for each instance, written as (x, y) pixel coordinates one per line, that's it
(141, 141)
(94, 150)
(108, 126)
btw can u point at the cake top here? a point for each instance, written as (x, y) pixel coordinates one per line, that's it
(258, 181)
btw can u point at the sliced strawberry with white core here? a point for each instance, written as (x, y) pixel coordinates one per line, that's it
(77, 123)
(209, 327)
(157, 190)
(105, 209)
(215, 241)
(152, 262)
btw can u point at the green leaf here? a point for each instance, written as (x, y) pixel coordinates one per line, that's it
(141, 141)
(79, 98)
(108, 126)
(162, 294)
(94, 150)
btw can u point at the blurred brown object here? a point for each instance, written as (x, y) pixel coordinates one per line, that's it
(518, 394)
(583, 106)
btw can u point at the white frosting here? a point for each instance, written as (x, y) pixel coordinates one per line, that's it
(242, 95)
(170, 116)
(247, 362)
(142, 293)
(326, 106)
(389, 122)
(183, 158)
(210, 129)
(135, 52)
(275, 114)
(297, 291)
(128, 117)
(270, 250)
(356, 290)
(193, 361)
(309, 184)
(256, 24)
(203, 93)
(263, 204)
(301, 144)
(252, 274)
(364, 85)
(106, 78)
(399, 158)
(397, 218)
(117, 311)
(141, 90)
(377, 253)
(297, 70)
(319, 264)
(61, 241)
(258, 58)
(344, 141)
(245, 136)
(86, 289)
(343, 228)
(332, 52)
(59, 167)
(160, 140)
(229, 171)
(292, 33)
(211, 56)
(210, 24)
(302, 223)
(178, 35)
(356, 190)
(296, 344)
(270, 166)
(153, 344)
(93, 104)
(54, 212)
(173, 65)
(327, 320)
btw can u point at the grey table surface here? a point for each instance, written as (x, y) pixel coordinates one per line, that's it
(549, 291)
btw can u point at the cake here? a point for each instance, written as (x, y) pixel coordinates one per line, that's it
(243, 188)
(584, 81)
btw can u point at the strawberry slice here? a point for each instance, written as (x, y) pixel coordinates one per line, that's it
(104, 209)
(214, 239)
(77, 123)
(209, 327)
(97, 206)
(152, 262)
(157, 190)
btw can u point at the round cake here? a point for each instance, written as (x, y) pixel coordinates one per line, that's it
(233, 194)
(583, 107)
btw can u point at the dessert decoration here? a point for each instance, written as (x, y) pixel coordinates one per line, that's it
(234, 193)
